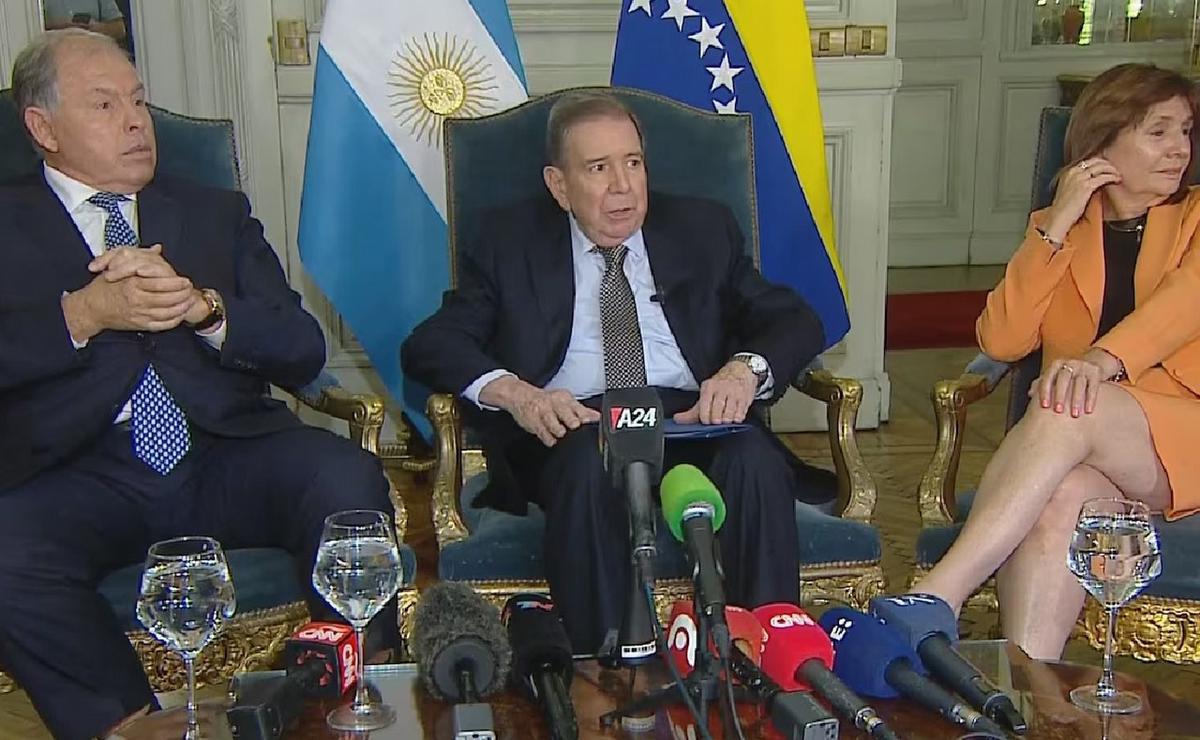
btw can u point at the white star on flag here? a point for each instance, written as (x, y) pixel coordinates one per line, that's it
(679, 10)
(708, 36)
(726, 108)
(724, 74)
(635, 5)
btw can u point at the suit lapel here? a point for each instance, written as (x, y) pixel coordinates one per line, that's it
(160, 220)
(669, 265)
(551, 275)
(1087, 264)
(1159, 248)
(53, 230)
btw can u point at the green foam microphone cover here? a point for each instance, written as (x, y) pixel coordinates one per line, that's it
(682, 486)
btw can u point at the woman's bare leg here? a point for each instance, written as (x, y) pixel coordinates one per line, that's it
(1028, 468)
(1040, 598)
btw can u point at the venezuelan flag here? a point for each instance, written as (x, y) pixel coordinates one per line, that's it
(752, 56)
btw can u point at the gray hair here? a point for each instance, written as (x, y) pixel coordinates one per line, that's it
(35, 73)
(574, 108)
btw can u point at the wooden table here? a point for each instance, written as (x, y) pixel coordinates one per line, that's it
(1039, 689)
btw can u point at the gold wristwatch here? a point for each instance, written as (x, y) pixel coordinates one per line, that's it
(216, 311)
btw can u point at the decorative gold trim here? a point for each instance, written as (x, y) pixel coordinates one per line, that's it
(1149, 628)
(831, 583)
(362, 411)
(250, 642)
(936, 494)
(448, 524)
(857, 493)
(984, 598)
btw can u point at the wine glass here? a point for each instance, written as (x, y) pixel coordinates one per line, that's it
(1114, 554)
(186, 598)
(357, 572)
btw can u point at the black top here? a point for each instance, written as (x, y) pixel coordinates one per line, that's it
(1122, 242)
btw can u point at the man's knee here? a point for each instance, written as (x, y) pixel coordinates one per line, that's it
(345, 474)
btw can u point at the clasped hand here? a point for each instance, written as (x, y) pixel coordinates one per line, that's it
(135, 289)
(1074, 383)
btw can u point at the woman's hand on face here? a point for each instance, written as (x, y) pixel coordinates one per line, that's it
(1075, 188)
(1074, 384)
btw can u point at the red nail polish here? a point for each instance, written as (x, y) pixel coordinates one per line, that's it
(1058, 407)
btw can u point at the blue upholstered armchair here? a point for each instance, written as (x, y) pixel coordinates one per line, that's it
(270, 599)
(1161, 624)
(499, 159)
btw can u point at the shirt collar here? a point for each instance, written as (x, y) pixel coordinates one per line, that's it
(635, 245)
(70, 191)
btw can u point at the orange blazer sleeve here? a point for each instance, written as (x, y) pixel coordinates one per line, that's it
(1010, 326)
(1167, 320)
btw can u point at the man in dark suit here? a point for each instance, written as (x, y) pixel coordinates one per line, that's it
(609, 286)
(133, 384)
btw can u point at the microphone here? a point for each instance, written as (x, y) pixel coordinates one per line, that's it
(682, 635)
(327, 650)
(795, 714)
(659, 295)
(798, 656)
(694, 510)
(927, 624)
(631, 443)
(873, 661)
(321, 662)
(462, 654)
(542, 663)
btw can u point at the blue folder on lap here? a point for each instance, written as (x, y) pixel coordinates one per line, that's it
(674, 430)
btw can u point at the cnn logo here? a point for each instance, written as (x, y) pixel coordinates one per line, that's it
(795, 619)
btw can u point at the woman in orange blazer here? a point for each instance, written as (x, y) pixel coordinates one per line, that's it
(1107, 284)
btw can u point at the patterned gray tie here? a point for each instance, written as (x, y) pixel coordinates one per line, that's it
(624, 362)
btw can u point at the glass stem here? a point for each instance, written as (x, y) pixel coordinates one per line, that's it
(193, 727)
(1105, 689)
(361, 700)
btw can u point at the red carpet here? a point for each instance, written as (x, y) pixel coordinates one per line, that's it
(924, 320)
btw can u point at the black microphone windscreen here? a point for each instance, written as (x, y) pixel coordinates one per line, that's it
(453, 628)
(537, 636)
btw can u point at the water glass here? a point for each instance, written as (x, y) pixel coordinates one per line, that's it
(357, 572)
(1114, 553)
(185, 599)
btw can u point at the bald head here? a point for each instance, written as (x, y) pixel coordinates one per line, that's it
(84, 107)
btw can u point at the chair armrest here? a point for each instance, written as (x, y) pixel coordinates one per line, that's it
(937, 492)
(362, 411)
(856, 488)
(442, 409)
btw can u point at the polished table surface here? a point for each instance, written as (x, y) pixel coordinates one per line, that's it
(1039, 689)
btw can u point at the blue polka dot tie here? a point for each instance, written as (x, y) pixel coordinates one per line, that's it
(160, 431)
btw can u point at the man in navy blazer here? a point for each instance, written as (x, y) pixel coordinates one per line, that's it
(523, 339)
(134, 401)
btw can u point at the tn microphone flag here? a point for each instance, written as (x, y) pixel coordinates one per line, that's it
(752, 56)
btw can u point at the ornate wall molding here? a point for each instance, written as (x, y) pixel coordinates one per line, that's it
(227, 80)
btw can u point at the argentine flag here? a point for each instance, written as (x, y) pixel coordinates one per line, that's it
(373, 213)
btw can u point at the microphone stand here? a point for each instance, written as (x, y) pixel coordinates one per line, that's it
(703, 684)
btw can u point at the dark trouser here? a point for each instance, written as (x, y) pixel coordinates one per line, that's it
(587, 525)
(64, 530)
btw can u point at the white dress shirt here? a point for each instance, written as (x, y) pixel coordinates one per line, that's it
(89, 218)
(582, 371)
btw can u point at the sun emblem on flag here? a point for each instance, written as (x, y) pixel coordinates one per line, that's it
(437, 77)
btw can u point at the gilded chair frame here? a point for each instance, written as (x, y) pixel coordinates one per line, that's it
(254, 640)
(1149, 628)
